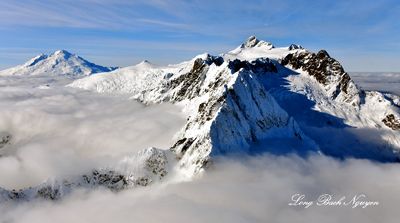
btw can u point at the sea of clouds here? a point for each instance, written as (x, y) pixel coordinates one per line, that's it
(60, 131)
(253, 189)
(379, 81)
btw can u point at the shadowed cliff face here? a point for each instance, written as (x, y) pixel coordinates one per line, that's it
(327, 71)
(241, 113)
(233, 111)
(240, 104)
(260, 94)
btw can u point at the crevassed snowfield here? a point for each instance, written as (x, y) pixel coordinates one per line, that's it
(64, 131)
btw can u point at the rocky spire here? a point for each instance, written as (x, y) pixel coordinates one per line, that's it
(252, 41)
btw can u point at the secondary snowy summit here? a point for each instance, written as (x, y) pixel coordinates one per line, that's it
(61, 62)
(259, 98)
(256, 98)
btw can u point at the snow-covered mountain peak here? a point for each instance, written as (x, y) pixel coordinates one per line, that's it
(254, 48)
(328, 72)
(61, 54)
(256, 95)
(59, 63)
(202, 56)
(145, 64)
(295, 47)
(252, 41)
(228, 108)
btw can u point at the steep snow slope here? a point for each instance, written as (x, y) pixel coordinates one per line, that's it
(320, 95)
(60, 62)
(262, 98)
(215, 97)
(340, 105)
(133, 80)
(228, 110)
(254, 48)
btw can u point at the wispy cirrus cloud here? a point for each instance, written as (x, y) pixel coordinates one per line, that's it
(369, 27)
(163, 23)
(80, 14)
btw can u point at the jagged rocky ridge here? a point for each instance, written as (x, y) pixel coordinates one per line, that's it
(255, 98)
(229, 109)
(252, 94)
(328, 72)
(61, 63)
(234, 111)
(341, 88)
(392, 122)
(148, 166)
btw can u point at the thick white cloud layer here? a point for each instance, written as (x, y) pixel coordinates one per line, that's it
(62, 131)
(256, 189)
(384, 81)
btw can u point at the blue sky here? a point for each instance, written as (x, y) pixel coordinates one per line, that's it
(362, 35)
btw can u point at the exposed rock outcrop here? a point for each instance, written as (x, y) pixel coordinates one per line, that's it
(328, 72)
(235, 101)
(146, 167)
(5, 139)
(392, 122)
(252, 41)
(295, 47)
(233, 110)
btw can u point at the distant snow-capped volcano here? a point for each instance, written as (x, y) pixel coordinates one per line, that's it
(61, 62)
(256, 98)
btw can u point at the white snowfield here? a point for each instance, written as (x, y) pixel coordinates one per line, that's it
(254, 48)
(254, 99)
(303, 97)
(60, 62)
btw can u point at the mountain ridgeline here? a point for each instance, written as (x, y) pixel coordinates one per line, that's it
(262, 98)
(254, 99)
